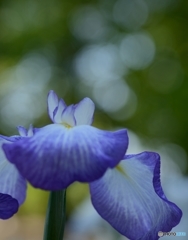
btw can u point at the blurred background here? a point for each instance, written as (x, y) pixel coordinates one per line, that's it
(130, 57)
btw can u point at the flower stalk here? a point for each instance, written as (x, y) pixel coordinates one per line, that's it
(56, 216)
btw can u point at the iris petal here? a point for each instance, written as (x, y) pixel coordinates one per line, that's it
(30, 131)
(8, 206)
(67, 117)
(84, 111)
(61, 107)
(12, 185)
(22, 131)
(11, 182)
(52, 101)
(131, 198)
(57, 156)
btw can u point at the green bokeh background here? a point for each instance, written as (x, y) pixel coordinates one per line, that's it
(42, 42)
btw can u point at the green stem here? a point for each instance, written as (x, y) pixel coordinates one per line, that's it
(55, 217)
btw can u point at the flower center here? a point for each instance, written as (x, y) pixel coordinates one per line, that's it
(121, 170)
(66, 125)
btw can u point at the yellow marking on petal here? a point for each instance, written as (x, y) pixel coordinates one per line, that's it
(121, 170)
(67, 125)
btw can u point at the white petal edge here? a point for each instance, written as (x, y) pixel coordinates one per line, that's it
(52, 101)
(22, 131)
(84, 111)
(67, 117)
(61, 107)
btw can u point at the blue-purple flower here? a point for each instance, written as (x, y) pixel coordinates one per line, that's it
(127, 194)
(68, 150)
(12, 184)
(131, 199)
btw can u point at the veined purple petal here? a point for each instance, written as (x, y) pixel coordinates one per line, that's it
(11, 181)
(57, 156)
(12, 184)
(131, 199)
(10, 139)
(52, 102)
(84, 111)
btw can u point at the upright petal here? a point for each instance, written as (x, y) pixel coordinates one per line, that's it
(61, 107)
(67, 117)
(12, 185)
(79, 114)
(22, 131)
(131, 199)
(57, 156)
(30, 131)
(84, 111)
(52, 102)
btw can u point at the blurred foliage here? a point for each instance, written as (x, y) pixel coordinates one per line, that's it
(130, 57)
(34, 199)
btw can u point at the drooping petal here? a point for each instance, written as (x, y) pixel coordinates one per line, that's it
(67, 117)
(84, 111)
(8, 206)
(11, 181)
(61, 107)
(12, 184)
(131, 199)
(52, 102)
(57, 156)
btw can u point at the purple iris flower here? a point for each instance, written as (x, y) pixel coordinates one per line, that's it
(127, 194)
(12, 184)
(68, 150)
(131, 199)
